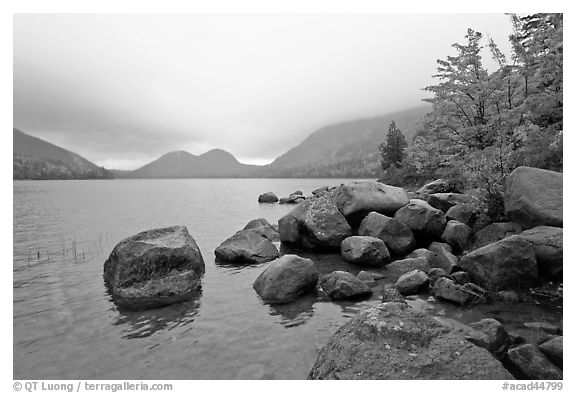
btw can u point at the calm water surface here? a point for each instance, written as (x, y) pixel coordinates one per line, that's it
(67, 327)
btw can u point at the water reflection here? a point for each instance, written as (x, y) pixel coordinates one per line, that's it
(295, 313)
(236, 267)
(141, 324)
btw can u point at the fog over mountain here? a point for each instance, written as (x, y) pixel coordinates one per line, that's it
(348, 149)
(125, 89)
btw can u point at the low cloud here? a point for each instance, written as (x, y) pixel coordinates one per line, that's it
(123, 89)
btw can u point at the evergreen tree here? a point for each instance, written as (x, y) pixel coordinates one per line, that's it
(483, 125)
(393, 151)
(538, 58)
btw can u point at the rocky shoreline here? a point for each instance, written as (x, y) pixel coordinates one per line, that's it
(434, 241)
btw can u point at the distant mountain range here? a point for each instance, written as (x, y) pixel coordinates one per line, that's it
(347, 149)
(181, 164)
(36, 159)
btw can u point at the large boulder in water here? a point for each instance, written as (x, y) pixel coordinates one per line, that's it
(246, 247)
(534, 197)
(549, 247)
(154, 268)
(286, 278)
(355, 200)
(396, 235)
(315, 223)
(394, 341)
(365, 251)
(507, 264)
(340, 285)
(422, 218)
(268, 197)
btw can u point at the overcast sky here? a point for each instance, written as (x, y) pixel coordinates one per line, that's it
(121, 90)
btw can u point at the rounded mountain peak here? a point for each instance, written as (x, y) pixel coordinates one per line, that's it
(219, 154)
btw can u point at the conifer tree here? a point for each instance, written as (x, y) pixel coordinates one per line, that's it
(393, 150)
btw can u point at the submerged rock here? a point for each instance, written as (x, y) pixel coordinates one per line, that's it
(286, 278)
(394, 341)
(365, 251)
(507, 264)
(315, 223)
(534, 197)
(247, 247)
(355, 200)
(396, 235)
(154, 268)
(544, 327)
(268, 197)
(340, 285)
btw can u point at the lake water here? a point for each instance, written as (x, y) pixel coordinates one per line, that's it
(67, 327)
